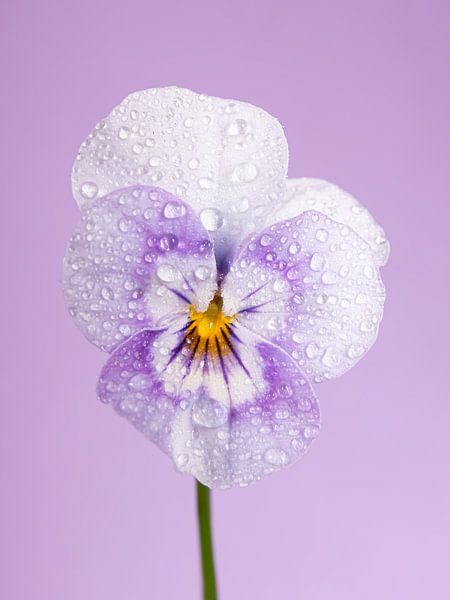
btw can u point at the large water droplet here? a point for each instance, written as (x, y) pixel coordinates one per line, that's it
(316, 262)
(238, 127)
(167, 273)
(276, 456)
(168, 242)
(89, 190)
(244, 173)
(139, 382)
(174, 210)
(331, 357)
(203, 273)
(322, 235)
(211, 218)
(207, 412)
(205, 183)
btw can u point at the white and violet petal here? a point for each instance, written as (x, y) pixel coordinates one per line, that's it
(209, 428)
(227, 159)
(311, 286)
(308, 193)
(139, 257)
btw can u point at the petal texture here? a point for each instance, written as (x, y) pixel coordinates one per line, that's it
(309, 285)
(319, 195)
(228, 159)
(221, 442)
(139, 257)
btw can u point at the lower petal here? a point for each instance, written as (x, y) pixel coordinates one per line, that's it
(210, 428)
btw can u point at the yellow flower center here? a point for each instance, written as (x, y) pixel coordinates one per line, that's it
(209, 331)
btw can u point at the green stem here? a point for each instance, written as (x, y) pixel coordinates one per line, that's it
(206, 545)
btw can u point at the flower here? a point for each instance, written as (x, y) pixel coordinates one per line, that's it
(220, 288)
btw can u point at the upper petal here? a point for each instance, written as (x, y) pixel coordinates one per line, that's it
(320, 195)
(228, 159)
(139, 256)
(311, 286)
(221, 442)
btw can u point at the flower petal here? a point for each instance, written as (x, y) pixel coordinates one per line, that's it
(227, 159)
(316, 194)
(139, 256)
(220, 440)
(310, 285)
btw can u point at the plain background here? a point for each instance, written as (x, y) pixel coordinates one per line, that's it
(89, 509)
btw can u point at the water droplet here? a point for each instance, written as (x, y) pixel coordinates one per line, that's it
(331, 357)
(243, 205)
(297, 337)
(89, 190)
(211, 218)
(238, 127)
(281, 285)
(188, 122)
(125, 329)
(310, 432)
(207, 412)
(294, 248)
(194, 163)
(316, 262)
(139, 382)
(276, 456)
(329, 277)
(312, 350)
(107, 293)
(123, 133)
(168, 242)
(167, 273)
(202, 273)
(322, 235)
(154, 161)
(182, 460)
(205, 183)
(265, 240)
(174, 210)
(244, 173)
(368, 272)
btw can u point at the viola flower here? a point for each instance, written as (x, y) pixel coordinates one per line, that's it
(220, 288)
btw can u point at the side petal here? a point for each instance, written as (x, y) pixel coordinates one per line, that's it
(310, 285)
(138, 256)
(227, 159)
(221, 444)
(316, 194)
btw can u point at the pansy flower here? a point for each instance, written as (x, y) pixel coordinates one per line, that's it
(221, 289)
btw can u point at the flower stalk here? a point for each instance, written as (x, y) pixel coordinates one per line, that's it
(206, 544)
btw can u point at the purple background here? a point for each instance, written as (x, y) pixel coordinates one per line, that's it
(89, 508)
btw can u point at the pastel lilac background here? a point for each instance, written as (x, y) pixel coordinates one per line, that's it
(89, 508)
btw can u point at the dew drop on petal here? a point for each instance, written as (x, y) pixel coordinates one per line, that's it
(202, 273)
(316, 262)
(194, 163)
(244, 173)
(174, 210)
(276, 456)
(168, 242)
(208, 412)
(322, 235)
(238, 127)
(167, 273)
(205, 183)
(211, 218)
(139, 382)
(310, 432)
(182, 460)
(89, 190)
(329, 277)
